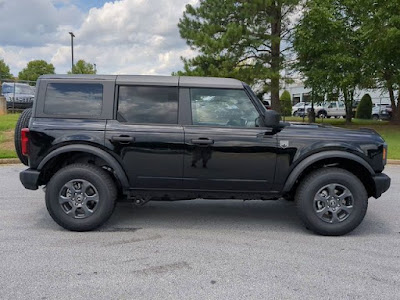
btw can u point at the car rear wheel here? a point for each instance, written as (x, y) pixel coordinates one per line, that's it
(23, 122)
(331, 201)
(81, 197)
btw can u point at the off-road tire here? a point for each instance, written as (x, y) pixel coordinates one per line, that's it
(96, 176)
(23, 122)
(310, 186)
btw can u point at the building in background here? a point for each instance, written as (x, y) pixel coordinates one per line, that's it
(299, 93)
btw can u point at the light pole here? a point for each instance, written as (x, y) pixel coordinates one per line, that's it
(95, 69)
(72, 49)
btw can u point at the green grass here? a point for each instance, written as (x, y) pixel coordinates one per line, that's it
(391, 134)
(8, 154)
(7, 122)
(7, 125)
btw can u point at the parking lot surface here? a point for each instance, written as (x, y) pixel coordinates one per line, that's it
(202, 249)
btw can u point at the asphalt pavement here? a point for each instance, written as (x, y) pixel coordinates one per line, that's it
(202, 249)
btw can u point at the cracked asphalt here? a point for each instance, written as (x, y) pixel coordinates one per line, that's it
(202, 249)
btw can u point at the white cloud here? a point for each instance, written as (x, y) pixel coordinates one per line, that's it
(121, 37)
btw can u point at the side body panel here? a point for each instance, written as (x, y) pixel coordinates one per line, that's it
(237, 160)
(153, 158)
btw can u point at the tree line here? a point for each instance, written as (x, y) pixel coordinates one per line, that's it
(336, 46)
(36, 68)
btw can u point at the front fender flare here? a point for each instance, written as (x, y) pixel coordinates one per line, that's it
(308, 161)
(108, 158)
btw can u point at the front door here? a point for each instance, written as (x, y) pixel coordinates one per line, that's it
(147, 138)
(225, 148)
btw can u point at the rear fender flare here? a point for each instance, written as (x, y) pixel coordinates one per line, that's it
(108, 158)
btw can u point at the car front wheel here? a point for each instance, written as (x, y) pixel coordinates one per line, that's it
(81, 197)
(331, 201)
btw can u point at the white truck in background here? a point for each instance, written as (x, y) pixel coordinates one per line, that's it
(334, 109)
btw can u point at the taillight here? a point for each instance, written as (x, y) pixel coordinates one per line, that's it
(25, 141)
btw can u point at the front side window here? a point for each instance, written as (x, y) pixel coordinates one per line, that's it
(146, 104)
(222, 107)
(84, 99)
(332, 105)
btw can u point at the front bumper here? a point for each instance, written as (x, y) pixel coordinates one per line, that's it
(29, 179)
(382, 184)
(19, 105)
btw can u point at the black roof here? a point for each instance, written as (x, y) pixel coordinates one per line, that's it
(184, 81)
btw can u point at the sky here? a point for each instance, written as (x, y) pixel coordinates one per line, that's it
(120, 37)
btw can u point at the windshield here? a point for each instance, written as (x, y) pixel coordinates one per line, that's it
(19, 89)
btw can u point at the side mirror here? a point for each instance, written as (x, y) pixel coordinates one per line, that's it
(271, 119)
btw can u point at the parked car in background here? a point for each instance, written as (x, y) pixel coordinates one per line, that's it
(266, 104)
(18, 95)
(335, 109)
(381, 111)
(300, 109)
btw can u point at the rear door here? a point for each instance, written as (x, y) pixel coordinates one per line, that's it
(225, 148)
(146, 135)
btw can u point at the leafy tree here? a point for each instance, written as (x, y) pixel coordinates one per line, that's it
(380, 26)
(286, 104)
(240, 39)
(82, 67)
(5, 70)
(34, 69)
(364, 108)
(328, 45)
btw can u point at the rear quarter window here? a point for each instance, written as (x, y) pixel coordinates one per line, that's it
(83, 99)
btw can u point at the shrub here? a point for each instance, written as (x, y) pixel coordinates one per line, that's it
(286, 104)
(364, 108)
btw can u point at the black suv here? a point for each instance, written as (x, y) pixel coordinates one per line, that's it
(94, 139)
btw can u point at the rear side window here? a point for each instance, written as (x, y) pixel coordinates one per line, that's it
(146, 104)
(74, 99)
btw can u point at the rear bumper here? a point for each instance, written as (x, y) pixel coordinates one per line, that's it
(382, 184)
(29, 179)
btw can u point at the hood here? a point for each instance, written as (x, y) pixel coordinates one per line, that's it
(323, 132)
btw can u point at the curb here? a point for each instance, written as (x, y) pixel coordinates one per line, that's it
(393, 162)
(9, 161)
